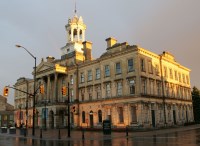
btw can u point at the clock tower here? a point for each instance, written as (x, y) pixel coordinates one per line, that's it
(75, 37)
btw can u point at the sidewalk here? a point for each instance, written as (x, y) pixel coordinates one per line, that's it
(53, 134)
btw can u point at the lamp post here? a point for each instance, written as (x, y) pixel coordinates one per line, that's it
(45, 114)
(33, 122)
(20, 116)
(68, 110)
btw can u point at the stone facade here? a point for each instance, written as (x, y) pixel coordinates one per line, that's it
(6, 113)
(23, 113)
(128, 85)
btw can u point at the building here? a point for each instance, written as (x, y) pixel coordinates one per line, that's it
(128, 85)
(23, 113)
(6, 113)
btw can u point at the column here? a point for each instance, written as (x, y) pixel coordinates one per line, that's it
(48, 87)
(55, 87)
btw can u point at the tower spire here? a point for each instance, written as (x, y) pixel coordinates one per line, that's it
(75, 7)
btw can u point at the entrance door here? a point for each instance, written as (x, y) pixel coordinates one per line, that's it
(91, 119)
(153, 118)
(174, 117)
(51, 120)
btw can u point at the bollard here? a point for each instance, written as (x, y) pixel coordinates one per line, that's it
(83, 134)
(41, 133)
(59, 133)
(126, 130)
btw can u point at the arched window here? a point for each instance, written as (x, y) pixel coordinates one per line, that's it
(100, 116)
(75, 34)
(83, 117)
(80, 35)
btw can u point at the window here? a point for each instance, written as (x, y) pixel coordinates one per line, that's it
(108, 90)
(82, 78)
(178, 91)
(72, 95)
(98, 92)
(179, 74)
(167, 89)
(107, 71)
(150, 66)
(151, 82)
(90, 96)
(132, 86)
(20, 115)
(175, 75)
(172, 90)
(146, 119)
(157, 69)
(82, 95)
(119, 88)
(5, 117)
(183, 76)
(165, 71)
(100, 116)
(98, 75)
(118, 68)
(171, 74)
(89, 75)
(89, 90)
(71, 80)
(133, 114)
(83, 117)
(143, 85)
(142, 63)
(161, 115)
(11, 118)
(169, 115)
(158, 85)
(121, 116)
(130, 65)
(187, 79)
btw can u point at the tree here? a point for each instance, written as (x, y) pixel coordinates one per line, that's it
(196, 104)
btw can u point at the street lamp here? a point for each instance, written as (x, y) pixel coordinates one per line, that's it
(33, 126)
(45, 113)
(68, 110)
(20, 116)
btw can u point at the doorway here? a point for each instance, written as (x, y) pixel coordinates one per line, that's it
(153, 118)
(91, 119)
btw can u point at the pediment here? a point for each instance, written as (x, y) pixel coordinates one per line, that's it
(44, 67)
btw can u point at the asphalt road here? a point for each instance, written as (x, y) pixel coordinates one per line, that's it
(184, 136)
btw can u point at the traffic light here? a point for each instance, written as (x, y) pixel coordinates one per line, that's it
(5, 91)
(42, 89)
(64, 90)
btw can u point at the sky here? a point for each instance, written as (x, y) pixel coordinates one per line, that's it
(39, 26)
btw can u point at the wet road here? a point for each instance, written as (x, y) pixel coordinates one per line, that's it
(186, 137)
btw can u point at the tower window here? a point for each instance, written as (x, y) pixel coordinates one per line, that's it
(75, 34)
(80, 35)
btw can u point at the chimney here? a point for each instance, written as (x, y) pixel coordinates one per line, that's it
(50, 58)
(87, 50)
(110, 42)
